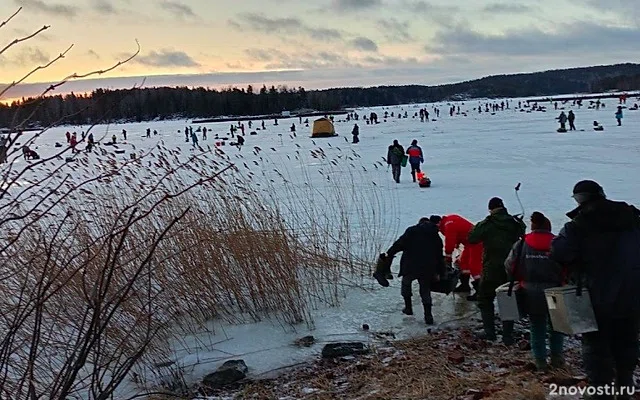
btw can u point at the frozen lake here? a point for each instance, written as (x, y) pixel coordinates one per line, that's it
(470, 158)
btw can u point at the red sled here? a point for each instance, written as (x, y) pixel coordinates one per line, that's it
(424, 183)
(423, 180)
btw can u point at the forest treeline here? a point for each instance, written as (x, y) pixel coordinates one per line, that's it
(145, 104)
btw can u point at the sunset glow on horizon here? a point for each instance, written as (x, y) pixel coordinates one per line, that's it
(323, 44)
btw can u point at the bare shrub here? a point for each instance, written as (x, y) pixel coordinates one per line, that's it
(105, 263)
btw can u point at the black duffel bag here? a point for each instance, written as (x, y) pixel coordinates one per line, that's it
(383, 270)
(448, 282)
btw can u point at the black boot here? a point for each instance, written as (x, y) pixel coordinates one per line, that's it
(428, 317)
(408, 307)
(507, 333)
(474, 296)
(464, 285)
(488, 325)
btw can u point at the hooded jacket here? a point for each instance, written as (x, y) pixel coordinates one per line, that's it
(562, 118)
(395, 154)
(601, 244)
(498, 232)
(421, 247)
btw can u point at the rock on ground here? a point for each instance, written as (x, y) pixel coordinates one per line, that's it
(230, 372)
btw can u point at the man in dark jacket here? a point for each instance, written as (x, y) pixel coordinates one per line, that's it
(422, 260)
(571, 118)
(497, 233)
(394, 158)
(602, 244)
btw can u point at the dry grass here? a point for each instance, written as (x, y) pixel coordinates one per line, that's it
(154, 249)
(418, 369)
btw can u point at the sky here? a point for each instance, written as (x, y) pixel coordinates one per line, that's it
(314, 44)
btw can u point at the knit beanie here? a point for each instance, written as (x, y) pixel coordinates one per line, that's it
(495, 202)
(587, 190)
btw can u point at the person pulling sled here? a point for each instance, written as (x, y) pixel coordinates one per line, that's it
(415, 158)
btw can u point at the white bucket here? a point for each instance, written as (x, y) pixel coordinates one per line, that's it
(570, 314)
(508, 305)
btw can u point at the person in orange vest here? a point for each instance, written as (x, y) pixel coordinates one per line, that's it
(415, 158)
(456, 231)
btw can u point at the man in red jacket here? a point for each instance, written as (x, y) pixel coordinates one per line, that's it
(456, 231)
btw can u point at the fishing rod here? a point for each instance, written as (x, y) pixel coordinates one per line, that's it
(517, 188)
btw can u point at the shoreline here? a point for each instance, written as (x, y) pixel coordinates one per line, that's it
(443, 364)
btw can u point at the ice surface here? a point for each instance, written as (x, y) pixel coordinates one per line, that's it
(469, 159)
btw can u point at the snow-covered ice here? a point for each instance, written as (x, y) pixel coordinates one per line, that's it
(469, 159)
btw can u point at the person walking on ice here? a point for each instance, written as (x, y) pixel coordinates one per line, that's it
(619, 115)
(415, 158)
(355, 132)
(194, 139)
(529, 263)
(422, 260)
(497, 233)
(394, 158)
(601, 243)
(571, 118)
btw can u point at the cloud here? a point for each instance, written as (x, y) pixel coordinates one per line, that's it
(49, 7)
(505, 8)
(167, 58)
(93, 54)
(351, 5)
(575, 39)
(436, 13)
(389, 61)
(181, 10)
(321, 60)
(27, 57)
(363, 43)
(259, 54)
(104, 7)
(623, 9)
(395, 30)
(285, 26)
(307, 60)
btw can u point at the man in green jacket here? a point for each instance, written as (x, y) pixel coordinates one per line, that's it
(497, 233)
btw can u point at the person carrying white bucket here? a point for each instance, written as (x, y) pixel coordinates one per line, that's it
(602, 243)
(529, 264)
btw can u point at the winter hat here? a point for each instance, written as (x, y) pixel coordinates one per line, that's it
(495, 202)
(395, 142)
(435, 219)
(414, 143)
(540, 222)
(587, 190)
(424, 220)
